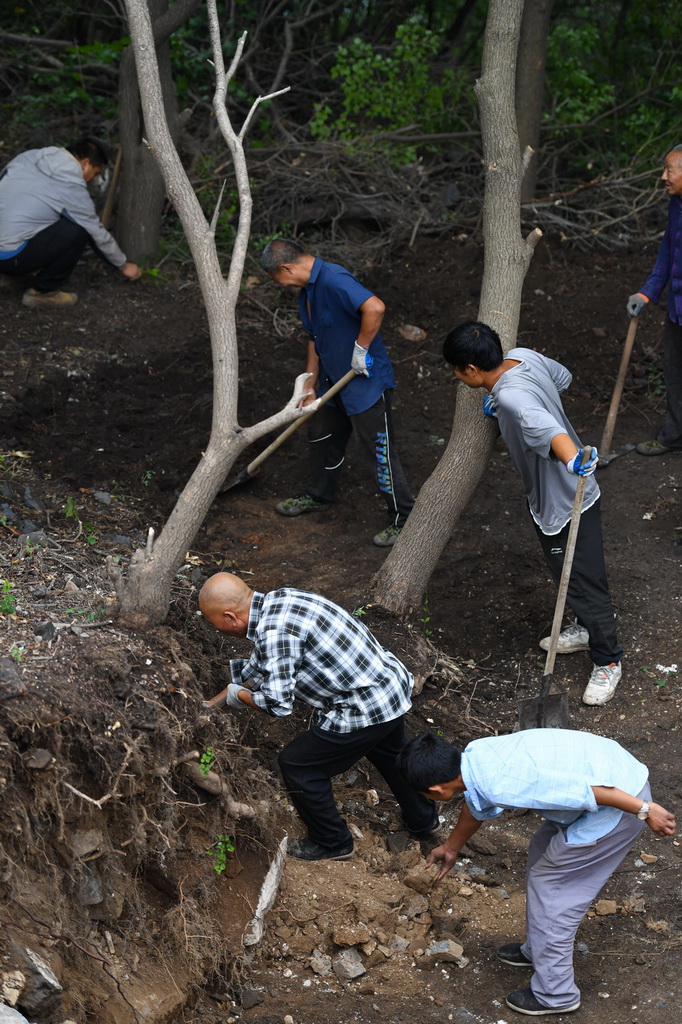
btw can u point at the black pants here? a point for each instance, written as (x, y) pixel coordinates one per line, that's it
(588, 589)
(329, 433)
(671, 431)
(311, 760)
(53, 252)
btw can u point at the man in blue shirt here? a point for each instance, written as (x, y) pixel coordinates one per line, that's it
(595, 799)
(668, 268)
(342, 319)
(309, 648)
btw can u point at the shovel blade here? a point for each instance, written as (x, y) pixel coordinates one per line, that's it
(550, 712)
(605, 459)
(240, 479)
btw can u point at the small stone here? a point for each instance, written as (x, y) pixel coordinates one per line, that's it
(466, 890)
(421, 880)
(8, 1015)
(351, 934)
(445, 951)
(45, 630)
(249, 997)
(102, 496)
(417, 904)
(288, 1019)
(648, 858)
(399, 944)
(321, 964)
(371, 798)
(41, 984)
(37, 758)
(10, 681)
(12, 985)
(604, 908)
(70, 587)
(412, 333)
(348, 965)
(479, 844)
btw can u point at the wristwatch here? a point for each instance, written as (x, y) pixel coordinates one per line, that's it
(643, 812)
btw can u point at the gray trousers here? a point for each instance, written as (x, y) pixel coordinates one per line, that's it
(562, 880)
(671, 431)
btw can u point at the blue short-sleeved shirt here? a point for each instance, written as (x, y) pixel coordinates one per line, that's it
(550, 771)
(333, 324)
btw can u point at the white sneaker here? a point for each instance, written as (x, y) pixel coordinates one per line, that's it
(602, 684)
(573, 638)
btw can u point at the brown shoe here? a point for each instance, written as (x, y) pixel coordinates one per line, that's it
(40, 300)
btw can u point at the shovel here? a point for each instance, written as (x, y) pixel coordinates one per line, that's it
(550, 709)
(610, 425)
(250, 471)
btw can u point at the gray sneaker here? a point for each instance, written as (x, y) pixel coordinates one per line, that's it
(387, 538)
(602, 684)
(300, 503)
(573, 638)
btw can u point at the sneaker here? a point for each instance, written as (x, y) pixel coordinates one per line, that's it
(301, 503)
(573, 638)
(511, 954)
(39, 300)
(524, 1001)
(387, 538)
(306, 849)
(652, 448)
(602, 684)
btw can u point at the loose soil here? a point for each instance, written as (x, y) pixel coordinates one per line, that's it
(105, 410)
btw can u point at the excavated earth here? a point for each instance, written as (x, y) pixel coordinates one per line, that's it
(129, 881)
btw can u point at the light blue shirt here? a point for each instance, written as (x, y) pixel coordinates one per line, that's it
(550, 771)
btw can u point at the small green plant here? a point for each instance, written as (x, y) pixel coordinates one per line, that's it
(206, 761)
(90, 535)
(17, 654)
(426, 617)
(70, 508)
(359, 611)
(655, 382)
(220, 852)
(8, 604)
(147, 477)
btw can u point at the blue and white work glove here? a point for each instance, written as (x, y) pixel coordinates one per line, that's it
(636, 304)
(362, 361)
(573, 465)
(489, 408)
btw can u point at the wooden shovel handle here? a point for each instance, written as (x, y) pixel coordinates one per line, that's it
(565, 576)
(609, 427)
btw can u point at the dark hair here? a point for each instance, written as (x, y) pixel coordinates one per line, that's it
(473, 344)
(89, 148)
(428, 760)
(279, 251)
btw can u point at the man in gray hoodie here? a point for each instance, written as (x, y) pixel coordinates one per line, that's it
(47, 217)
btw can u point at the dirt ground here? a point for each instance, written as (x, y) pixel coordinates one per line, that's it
(109, 406)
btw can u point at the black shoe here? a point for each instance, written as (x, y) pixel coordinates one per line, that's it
(524, 1001)
(511, 954)
(306, 849)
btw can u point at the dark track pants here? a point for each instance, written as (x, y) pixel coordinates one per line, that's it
(311, 760)
(329, 433)
(588, 588)
(53, 252)
(671, 431)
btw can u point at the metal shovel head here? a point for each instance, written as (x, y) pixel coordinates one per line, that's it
(240, 479)
(544, 712)
(605, 459)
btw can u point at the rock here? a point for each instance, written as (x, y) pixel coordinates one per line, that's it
(11, 985)
(90, 891)
(10, 1016)
(398, 842)
(479, 844)
(446, 951)
(648, 858)
(399, 944)
(87, 841)
(41, 983)
(371, 798)
(10, 681)
(348, 965)
(33, 502)
(37, 758)
(249, 997)
(421, 880)
(102, 496)
(321, 964)
(412, 333)
(351, 934)
(417, 904)
(604, 908)
(466, 890)
(32, 539)
(45, 630)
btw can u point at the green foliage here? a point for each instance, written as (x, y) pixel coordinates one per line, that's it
(575, 59)
(70, 508)
(220, 852)
(90, 534)
(206, 761)
(8, 604)
(426, 617)
(17, 654)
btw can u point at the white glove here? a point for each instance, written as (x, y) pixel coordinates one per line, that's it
(362, 361)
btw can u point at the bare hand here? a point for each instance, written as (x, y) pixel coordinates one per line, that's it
(446, 858)
(131, 271)
(660, 821)
(219, 701)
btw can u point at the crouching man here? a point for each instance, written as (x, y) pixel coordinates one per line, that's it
(595, 799)
(308, 647)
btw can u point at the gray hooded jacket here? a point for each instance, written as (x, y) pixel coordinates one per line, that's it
(38, 187)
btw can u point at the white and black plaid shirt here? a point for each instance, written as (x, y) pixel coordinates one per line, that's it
(308, 647)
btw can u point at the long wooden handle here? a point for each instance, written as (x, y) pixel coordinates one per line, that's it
(609, 427)
(565, 574)
(281, 438)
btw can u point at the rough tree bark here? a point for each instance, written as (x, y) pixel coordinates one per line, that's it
(530, 86)
(142, 192)
(401, 582)
(144, 596)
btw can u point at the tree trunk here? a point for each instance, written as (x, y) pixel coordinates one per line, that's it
(401, 582)
(530, 85)
(144, 596)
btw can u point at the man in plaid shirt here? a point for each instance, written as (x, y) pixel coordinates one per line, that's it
(308, 647)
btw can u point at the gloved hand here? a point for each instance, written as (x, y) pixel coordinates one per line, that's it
(573, 465)
(489, 407)
(362, 361)
(636, 304)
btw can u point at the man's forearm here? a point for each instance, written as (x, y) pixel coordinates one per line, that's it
(371, 315)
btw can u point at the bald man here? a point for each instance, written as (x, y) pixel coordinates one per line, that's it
(308, 647)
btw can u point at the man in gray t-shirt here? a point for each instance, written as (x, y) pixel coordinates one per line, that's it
(525, 399)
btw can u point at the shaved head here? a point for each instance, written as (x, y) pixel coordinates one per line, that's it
(225, 602)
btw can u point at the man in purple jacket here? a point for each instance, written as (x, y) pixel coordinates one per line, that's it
(668, 268)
